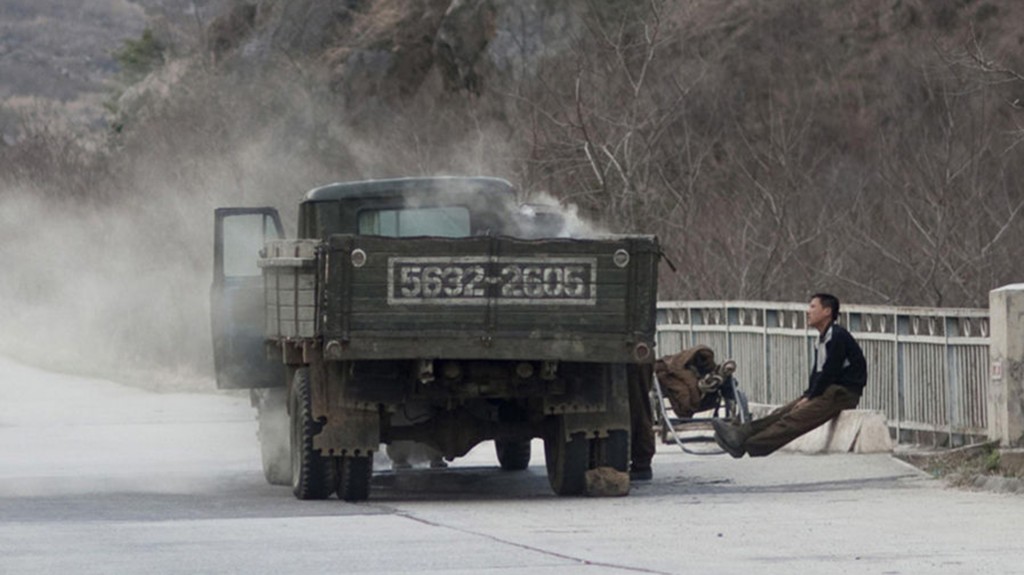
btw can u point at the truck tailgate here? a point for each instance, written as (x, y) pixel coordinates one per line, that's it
(489, 297)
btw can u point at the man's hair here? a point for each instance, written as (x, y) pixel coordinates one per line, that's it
(830, 301)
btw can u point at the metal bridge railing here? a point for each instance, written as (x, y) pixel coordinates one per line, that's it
(927, 367)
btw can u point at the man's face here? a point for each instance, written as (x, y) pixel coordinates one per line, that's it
(817, 316)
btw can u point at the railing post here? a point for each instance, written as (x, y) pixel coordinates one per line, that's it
(765, 350)
(951, 379)
(1006, 375)
(897, 377)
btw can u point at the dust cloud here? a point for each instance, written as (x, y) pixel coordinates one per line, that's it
(121, 290)
(574, 225)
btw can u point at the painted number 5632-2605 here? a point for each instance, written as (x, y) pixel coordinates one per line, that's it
(464, 281)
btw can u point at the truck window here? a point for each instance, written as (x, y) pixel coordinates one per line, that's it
(449, 222)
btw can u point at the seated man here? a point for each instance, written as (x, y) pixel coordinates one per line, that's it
(836, 382)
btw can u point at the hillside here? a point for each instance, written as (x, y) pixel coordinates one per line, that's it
(56, 56)
(787, 144)
(870, 148)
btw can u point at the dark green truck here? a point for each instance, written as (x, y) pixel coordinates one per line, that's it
(434, 310)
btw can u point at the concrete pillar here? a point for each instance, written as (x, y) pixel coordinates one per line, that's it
(1006, 352)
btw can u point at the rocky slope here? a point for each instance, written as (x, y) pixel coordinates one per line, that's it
(56, 56)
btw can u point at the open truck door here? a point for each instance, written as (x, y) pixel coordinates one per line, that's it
(237, 306)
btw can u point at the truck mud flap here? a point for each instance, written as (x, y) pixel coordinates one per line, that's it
(613, 412)
(349, 432)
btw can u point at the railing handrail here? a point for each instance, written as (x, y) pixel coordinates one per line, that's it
(845, 308)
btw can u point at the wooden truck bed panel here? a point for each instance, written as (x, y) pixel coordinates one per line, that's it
(468, 297)
(479, 297)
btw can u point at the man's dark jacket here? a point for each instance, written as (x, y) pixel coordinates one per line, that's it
(838, 360)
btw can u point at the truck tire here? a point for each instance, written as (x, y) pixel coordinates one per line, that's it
(513, 455)
(567, 461)
(313, 476)
(273, 434)
(354, 475)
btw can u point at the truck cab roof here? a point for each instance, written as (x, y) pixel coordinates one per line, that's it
(469, 205)
(445, 186)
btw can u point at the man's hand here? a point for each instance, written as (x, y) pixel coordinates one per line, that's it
(801, 402)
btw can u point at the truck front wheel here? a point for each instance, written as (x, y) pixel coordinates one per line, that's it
(313, 476)
(567, 461)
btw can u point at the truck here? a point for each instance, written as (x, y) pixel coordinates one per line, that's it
(434, 310)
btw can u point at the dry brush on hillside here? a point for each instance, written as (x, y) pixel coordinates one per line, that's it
(869, 148)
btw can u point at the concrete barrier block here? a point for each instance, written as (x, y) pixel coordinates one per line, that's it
(852, 431)
(824, 439)
(874, 434)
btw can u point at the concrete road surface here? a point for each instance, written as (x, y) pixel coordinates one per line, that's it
(100, 478)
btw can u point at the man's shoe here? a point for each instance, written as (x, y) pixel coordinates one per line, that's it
(729, 438)
(641, 474)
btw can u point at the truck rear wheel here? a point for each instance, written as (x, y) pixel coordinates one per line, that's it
(566, 461)
(273, 434)
(354, 473)
(313, 476)
(513, 455)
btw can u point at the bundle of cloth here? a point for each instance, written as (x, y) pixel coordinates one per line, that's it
(692, 381)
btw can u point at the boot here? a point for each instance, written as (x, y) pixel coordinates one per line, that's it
(640, 474)
(729, 437)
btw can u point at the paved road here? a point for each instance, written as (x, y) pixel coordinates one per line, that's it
(100, 478)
